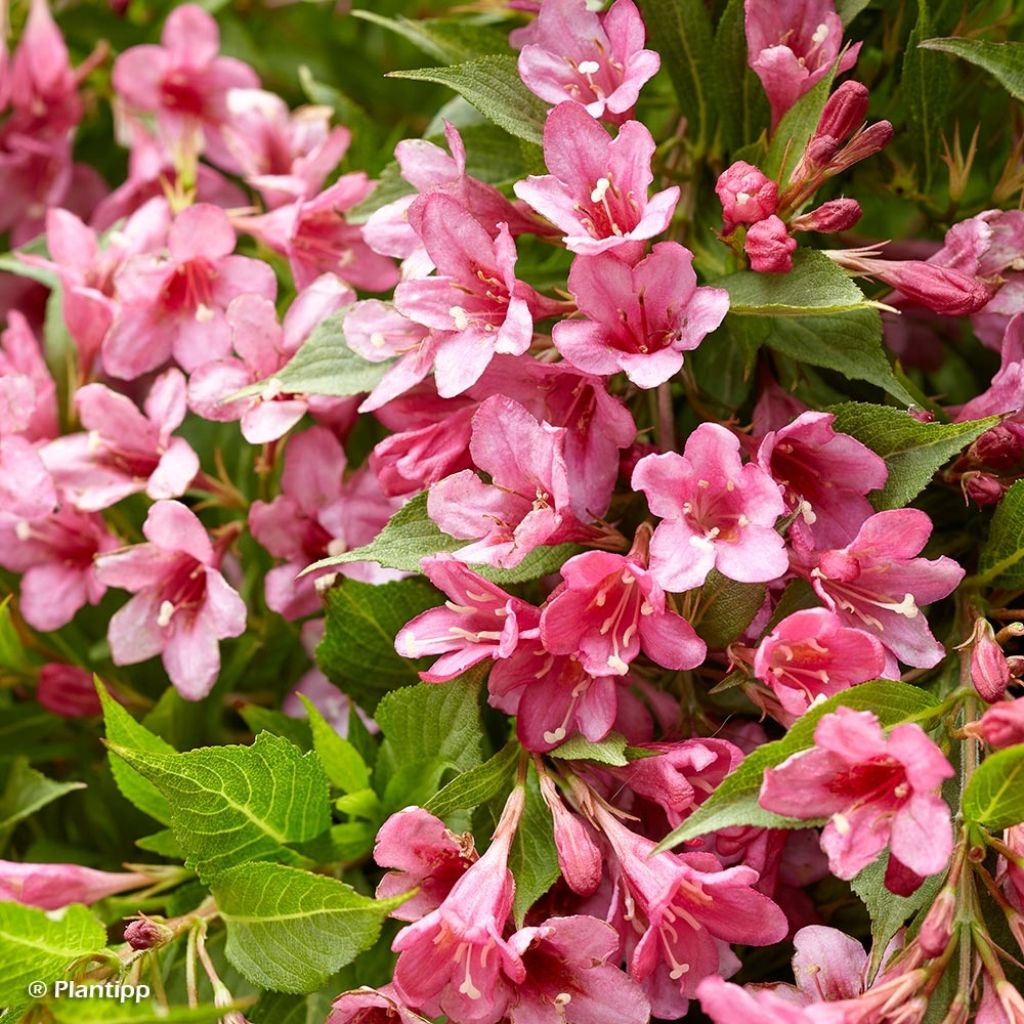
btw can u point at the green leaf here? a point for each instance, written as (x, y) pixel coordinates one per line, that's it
(36, 947)
(358, 649)
(926, 85)
(914, 451)
(28, 791)
(123, 731)
(12, 650)
(995, 795)
(1005, 61)
(105, 1010)
(734, 802)
(161, 843)
(341, 762)
(680, 31)
(261, 719)
(849, 9)
(233, 804)
(478, 785)
(11, 264)
(742, 106)
(611, 750)
(492, 84)
(726, 609)
(533, 859)
(450, 41)
(795, 129)
(1002, 556)
(290, 930)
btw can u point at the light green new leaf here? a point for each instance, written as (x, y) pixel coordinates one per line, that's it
(492, 84)
(735, 801)
(914, 451)
(449, 41)
(26, 792)
(995, 795)
(611, 750)
(795, 129)
(1002, 558)
(478, 785)
(341, 761)
(104, 1010)
(233, 804)
(290, 930)
(1005, 61)
(533, 859)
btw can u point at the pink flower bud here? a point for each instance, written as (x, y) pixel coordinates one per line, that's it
(68, 691)
(1002, 725)
(835, 215)
(747, 195)
(770, 247)
(937, 929)
(1002, 447)
(145, 933)
(578, 854)
(818, 155)
(845, 111)
(982, 488)
(867, 143)
(989, 670)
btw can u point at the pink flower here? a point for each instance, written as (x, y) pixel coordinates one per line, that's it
(479, 621)
(770, 247)
(579, 857)
(176, 306)
(747, 195)
(27, 491)
(424, 856)
(990, 669)
(572, 973)
(182, 605)
(67, 690)
(716, 513)
(185, 83)
(55, 557)
(640, 319)
(811, 654)
(598, 61)
(28, 396)
(597, 189)
(125, 451)
(1006, 392)
(1002, 725)
(824, 476)
(877, 584)
(372, 1006)
(878, 791)
(835, 215)
(726, 1003)
(52, 886)
(609, 608)
(791, 47)
(264, 347)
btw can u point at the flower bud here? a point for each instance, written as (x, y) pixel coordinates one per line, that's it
(937, 929)
(989, 670)
(1001, 447)
(145, 933)
(68, 691)
(835, 215)
(1002, 725)
(746, 194)
(864, 144)
(820, 152)
(845, 111)
(982, 488)
(769, 247)
(578, 854)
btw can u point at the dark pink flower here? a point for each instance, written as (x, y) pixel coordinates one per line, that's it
(1002, 725)
(52, 886)
(726, 1003)
(372, 1006)
(28, 396)
(716, 513)
(770, 247)
(67, 690)
(182, 605)
(596, 192)
(640, 319)
(595, 60)
(1006, 392)
(844, 111)
(811, 654)
(747, 195)
(579, 857)
(877, 583)
(877, 791)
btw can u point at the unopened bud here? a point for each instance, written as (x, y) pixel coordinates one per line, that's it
(145, 933)
(1001, 447)
(1002, 725)
(937, 929)
(982, 488)
(866, 143)
(747, 195)
(68, 691)
(835, 215)
(845, 111)
(818, 156)
(769, 247)
(989, 671)
(578, 854)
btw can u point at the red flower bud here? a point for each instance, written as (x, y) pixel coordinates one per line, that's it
(835, 215)
(845, 111)
(68, 691)
(982, 488)
(1002, 447)
(867, 143)
(746, 194)
(145, 933)
(770, 247)
(1002, 725)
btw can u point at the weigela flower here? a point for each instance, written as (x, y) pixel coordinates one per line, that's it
(596, 192)
(1002, 725)
(835, 215)
(27, 490)
(479, 621)
(811, 654)
(28, 395)
(182, 605)
(579, 857)
(639, 319)
(52, 886)
(372, 1006)
(878, 791)
(67, 690)
(595, 60)
(747, 195)
(876, 583)
(726, 1003)
(125, 450)
(770, 247)
(990, 669)
(1006, 392)
(715, 512)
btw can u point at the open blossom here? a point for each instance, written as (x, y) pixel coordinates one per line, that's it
(52, 886)
(811, 654)
(639, 319)
(1006, 392)
(596, 60)
(27, 489)
(596, 192)
(372, 1006)
(176, 305)
(747, 195)
(182, 605)
(28, 395)
(726, 1003)
(877, 583)
(715, 512)
(878, 791)
(125, 450)
(479, 621)
(791, 47)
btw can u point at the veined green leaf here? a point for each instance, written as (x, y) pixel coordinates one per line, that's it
(1002, 558)
(995, 795)
(1004, 61)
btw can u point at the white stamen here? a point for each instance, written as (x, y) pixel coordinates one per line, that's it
(555, 737)
(459, 317)
(204, 313)
(165, 614)
(377, 340)
(820, 34)
(617, 665)
(589, 67)
(602, 186)
(841, 823)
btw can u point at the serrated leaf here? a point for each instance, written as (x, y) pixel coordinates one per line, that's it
(358, 648)
(492, 85)
(341, 762)
(795, 129)
(450, 41)
(1002, 558)
(611, 750)
(290, 930)
(472, 788)
(926, 85)
(914, 451)
(995, 795)
(233, 804)
(533, 859)
(28, 791)
(1004, 61)
(726, 609)
(735, 802)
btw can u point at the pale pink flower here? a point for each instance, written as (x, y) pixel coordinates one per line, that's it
(639, 319)
(715, 511)
(726, 1003)
(747, 195)
(182, 605)
(27, 490)
(770, 247)
(68, 691)
(52, 886)
(876, 583)
(877, 791)
(125, 450)
(176, 305)
(595, 60)
(28, 396)
(596, 192)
